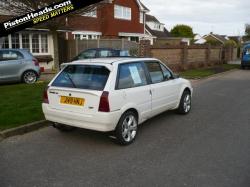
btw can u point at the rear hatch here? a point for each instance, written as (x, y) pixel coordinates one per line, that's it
(78, 88)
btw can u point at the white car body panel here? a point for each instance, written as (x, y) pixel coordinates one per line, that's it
(148, 100)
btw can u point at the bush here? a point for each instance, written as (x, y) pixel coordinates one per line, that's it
(230, 43)
(182, 31)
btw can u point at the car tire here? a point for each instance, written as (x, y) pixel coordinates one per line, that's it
(126, 129)
(185, 103)
(63, 128)
(29, 77)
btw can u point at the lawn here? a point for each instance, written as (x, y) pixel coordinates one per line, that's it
(205, 72)
(20, 104)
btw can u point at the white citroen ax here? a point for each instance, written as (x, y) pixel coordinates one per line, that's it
(114, 94)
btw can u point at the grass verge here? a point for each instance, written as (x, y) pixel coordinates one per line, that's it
(20, 104)
(205, 72)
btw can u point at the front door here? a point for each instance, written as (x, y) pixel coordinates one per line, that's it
(133, 89)
(163, 88)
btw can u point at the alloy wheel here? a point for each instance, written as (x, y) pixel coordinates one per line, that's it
(129, 128)
(30, 77)
(187, 103)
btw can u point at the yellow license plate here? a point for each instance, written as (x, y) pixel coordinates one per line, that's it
(72, 101)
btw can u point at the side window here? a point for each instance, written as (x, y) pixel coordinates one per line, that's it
(166, 73)
(105, 53)
(131, 75)
(155, 72)
(87, 54)
(10, 55)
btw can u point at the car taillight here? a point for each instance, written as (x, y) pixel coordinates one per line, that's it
(104, 102)
(45, 96)
(35, 62)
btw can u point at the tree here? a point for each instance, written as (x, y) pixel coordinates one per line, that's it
(182, 31)
(247, 30)
(22, 7)
(230, 43)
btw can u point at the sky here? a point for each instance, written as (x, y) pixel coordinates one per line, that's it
(225, 17)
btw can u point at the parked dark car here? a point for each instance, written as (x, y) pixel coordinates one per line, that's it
(245, 61)
(18, 65)
(101, 53)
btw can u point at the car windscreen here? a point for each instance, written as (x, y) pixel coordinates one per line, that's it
(91, 77)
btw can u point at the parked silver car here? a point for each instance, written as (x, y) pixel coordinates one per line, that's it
(18, 65)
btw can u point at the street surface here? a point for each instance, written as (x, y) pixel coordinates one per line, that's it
(210, 147)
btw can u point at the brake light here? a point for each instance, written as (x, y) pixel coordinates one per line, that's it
(35, 62)
(45, 96)
(104, 102)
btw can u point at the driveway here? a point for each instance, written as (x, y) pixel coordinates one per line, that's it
(210, 147)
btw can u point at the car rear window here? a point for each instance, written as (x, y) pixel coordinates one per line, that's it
(83, 76)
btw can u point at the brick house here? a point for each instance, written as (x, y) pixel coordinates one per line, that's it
(116, 20)
(119, 19)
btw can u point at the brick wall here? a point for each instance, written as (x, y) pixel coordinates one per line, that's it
(185, 57)
(214, 54)
(196, 55)
(170, 56)
(230, 54)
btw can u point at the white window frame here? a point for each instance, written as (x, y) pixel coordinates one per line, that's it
(122, 12)
(30, 43)
(87, 36)
(141, 17)
(92, 14)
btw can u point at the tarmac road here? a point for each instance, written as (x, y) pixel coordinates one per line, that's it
(210, 147)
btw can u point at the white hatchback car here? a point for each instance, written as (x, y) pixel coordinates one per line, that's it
(114, 94)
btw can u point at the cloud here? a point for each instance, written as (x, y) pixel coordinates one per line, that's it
(220, 16)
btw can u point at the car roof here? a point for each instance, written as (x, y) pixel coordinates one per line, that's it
(112, 60)
(103, 48)
(19, 50)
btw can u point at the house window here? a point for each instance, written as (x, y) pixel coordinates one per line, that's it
(44, 43)
(122, 12)
(26, 41)
(133, 39)
(141, 17)
(86, 37)
(158, 26)
(15, 41)
(91, 14)
(6, 43)
(35, 43)
(77, 37)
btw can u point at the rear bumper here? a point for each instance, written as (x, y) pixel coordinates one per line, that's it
(99, 121)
